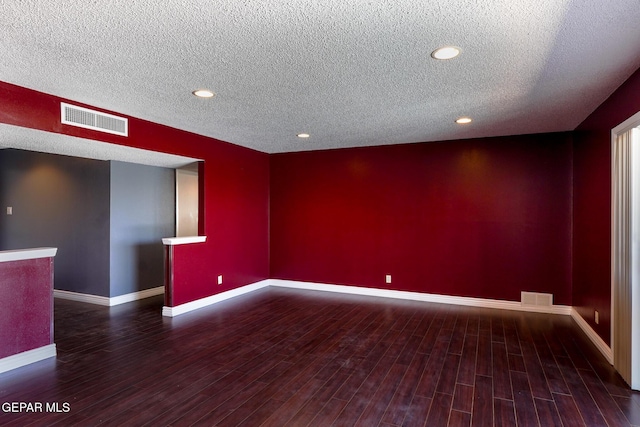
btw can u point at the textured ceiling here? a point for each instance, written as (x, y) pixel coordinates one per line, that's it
(55, 143)
(349, 72)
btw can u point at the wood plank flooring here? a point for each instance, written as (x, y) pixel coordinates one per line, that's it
(282, 357)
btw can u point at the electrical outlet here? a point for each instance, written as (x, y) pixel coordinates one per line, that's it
(387, 278)
(597, 318)
(220, 279)
(9, 210)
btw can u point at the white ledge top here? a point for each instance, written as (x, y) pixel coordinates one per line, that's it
(22, 254)
(172, 241)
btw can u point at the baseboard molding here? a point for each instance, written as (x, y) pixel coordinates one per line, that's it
(405, 295)
(106, 301)
(27, 357)
(419, 296)
(77, 296)
(593, 336)
(213, 299)
(134, 296)
(467, 301)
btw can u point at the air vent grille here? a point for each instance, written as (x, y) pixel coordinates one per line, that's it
(535, 298)
(90, 119)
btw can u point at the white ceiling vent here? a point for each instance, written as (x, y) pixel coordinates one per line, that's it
(90, 119)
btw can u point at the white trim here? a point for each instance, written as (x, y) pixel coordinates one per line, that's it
(466, 301)
(213, 299)
(419, 296)
(357, 290)
(106, 301)
(625, 354)
(77, 296)
(612, 340)
(23, 254)
(172, 241)
(27, 357)
(631, 122)
(593, 336)
(387, 293)
(134, 296)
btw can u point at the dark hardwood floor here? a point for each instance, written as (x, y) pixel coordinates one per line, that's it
(282, 357)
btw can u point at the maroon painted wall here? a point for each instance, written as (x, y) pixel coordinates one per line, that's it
(26, 304)
(236, 190)
(481, 218)
(484, 218)
(592, 205)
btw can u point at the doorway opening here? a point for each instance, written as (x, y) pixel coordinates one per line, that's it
(625, 250)
(187, 200)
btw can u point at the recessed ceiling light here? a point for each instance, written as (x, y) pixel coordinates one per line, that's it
(463, 120)
(203, 93)
(303, 135)
(447, 52)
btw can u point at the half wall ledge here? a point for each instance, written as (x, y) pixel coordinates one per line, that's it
(26, 301)
(24, 254)
(169, 243)
(172, 241)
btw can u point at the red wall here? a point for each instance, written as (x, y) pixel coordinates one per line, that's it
(482, 218)
(236, 191)
(26, 304)
(592, 205)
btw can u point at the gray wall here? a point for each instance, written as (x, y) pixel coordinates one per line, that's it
(142, 213)
(106, 218)
(61, 202)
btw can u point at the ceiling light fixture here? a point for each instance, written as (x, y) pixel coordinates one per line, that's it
(463, 120)
(446, 52)
(303, 135)
(203, 93)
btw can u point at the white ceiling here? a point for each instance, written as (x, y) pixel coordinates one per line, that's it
(56, 143)
(349, 72)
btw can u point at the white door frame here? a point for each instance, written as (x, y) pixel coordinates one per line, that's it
(618, 319)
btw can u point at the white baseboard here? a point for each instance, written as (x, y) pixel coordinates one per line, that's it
(27, 357)
(406, 295)
(593, 336)
(356, 290)
(446, 299)
(134, 296)
(77, 296)
(106, 301)
(213, 299)
(419, 296)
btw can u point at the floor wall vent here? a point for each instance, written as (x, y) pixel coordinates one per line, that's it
(90, 119)
(535, 298)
